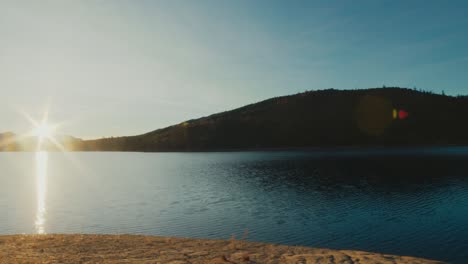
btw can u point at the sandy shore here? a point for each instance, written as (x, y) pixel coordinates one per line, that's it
(150, 249)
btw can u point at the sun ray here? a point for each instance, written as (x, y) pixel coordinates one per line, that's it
(46, 131)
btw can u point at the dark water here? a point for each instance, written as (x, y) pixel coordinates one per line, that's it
(406, 202)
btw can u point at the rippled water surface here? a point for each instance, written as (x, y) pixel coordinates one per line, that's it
(407, 202)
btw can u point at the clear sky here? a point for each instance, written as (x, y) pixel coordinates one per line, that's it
(110, 68)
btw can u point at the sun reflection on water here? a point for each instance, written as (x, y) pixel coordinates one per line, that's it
(41, 184)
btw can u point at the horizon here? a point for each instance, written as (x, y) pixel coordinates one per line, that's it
(126, 68)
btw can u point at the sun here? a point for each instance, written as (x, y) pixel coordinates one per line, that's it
(43, 130)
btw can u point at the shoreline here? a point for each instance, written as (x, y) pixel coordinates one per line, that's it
(247, 150)
(80, 248)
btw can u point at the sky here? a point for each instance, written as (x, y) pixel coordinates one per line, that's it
(112, 68)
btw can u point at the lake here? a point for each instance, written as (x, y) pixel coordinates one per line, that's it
(401, 201)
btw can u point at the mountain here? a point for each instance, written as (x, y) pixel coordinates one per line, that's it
(8, 141)
(12, 142)
(324, 118)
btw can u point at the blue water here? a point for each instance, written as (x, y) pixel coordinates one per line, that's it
(400, 201)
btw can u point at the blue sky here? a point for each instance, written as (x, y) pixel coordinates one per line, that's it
(109, 68)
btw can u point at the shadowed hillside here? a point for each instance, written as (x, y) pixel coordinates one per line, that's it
(326, 118)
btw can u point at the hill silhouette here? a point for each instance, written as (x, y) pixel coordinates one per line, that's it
(324, 118)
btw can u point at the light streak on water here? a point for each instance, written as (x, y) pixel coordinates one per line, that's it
(41, 189)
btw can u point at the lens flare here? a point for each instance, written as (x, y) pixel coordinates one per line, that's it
(402, 114)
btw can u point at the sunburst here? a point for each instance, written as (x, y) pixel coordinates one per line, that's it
(43, 131)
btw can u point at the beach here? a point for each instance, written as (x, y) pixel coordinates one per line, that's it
(78, 248)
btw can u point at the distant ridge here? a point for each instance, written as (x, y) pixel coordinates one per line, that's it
(11, 142)
(323, 118)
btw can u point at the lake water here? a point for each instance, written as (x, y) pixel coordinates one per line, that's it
(400, 201)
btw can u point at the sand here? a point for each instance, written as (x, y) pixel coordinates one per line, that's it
(152, 249)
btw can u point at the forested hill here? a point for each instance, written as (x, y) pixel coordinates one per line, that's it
(325, 118)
